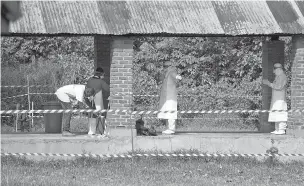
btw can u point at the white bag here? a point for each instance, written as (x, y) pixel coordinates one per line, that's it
(92, 126)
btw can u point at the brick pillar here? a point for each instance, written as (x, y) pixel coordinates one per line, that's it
(102, 46)
(296, 120)
(121, 79)
(273, 52)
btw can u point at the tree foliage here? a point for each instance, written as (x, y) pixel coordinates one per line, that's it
(218, 72)
(209, 66)
(53, 61)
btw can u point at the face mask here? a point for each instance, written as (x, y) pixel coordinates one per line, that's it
(277, 71)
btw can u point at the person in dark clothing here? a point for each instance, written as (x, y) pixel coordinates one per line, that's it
(102, 93)
(99, 85)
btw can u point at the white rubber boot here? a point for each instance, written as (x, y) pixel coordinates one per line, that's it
(92, 126)
(107, 130)
(171, 126)
(282, 128)
(276, 128)
(168, 131)
(280, 132)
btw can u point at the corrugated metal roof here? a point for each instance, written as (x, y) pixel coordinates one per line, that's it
(152, 17)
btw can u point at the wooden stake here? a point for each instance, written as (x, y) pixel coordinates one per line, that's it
(16, 121)
(28, 93)
(32, 115)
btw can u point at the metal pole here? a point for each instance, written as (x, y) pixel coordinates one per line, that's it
(16, 121)
(130, 100)
(32, 114)
(132, 140)
(28, 93)
(107, 123)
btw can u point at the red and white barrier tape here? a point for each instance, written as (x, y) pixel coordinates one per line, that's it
(135, 95)
(118, 94)
(43, 116)
(146, 112)
(142, 95)
(189, 95)
(215, 111)
(42, 93)
(59, 111)
(147, 155)
(27, 94)
(24, 86)
(158, 118)
(15, 96)
(150, 118)
(180, 95)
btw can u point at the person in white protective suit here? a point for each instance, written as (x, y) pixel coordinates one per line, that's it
(168, 97)
(70, 97)
(278, 100)
(102, 90)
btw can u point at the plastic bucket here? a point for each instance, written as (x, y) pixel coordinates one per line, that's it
(53, 121)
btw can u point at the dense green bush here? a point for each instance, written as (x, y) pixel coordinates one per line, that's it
(218, 73)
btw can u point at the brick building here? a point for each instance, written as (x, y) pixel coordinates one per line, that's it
(114, 24)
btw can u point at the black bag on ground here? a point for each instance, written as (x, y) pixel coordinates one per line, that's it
(141, 130)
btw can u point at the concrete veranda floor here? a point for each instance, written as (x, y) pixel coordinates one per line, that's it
(120, 141)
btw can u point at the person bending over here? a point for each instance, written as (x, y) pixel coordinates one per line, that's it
(72, 97)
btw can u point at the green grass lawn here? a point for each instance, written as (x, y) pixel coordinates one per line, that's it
(151, 171)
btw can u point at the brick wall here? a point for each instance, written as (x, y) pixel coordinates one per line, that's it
(115, 56)
(296, 120)
(273, 52)
(121, 79)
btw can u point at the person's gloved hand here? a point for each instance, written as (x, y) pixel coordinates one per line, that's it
(75, 106)
(74, 103)
(91, 98)
(265, 81)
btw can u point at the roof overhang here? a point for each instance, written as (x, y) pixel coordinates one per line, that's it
(159, 18)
